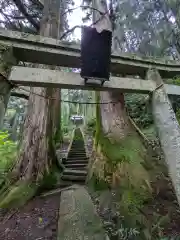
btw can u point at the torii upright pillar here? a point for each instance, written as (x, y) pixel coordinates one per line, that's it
(168, 129)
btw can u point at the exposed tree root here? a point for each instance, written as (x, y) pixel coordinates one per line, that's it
(16, 194)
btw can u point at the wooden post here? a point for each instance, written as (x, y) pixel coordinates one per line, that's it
(168, 129)
(6, 62)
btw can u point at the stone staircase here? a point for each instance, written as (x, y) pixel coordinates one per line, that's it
(75, 171)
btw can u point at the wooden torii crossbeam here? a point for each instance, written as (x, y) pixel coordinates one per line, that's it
(43, 50)
(37, 49)
(37, 77)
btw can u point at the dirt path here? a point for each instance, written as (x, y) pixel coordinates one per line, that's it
(36, 221)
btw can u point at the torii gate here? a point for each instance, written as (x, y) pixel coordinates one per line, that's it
(18, 46)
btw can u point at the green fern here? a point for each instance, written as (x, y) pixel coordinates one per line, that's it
(8, 153)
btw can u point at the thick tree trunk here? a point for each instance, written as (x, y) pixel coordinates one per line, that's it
(37, 150)
(114, 118)
(34, 158)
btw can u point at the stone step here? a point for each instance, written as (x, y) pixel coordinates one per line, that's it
(76, 155)
(73, 178)
(74, 172)
(77, 150)
(80, 143)
(75, 165)
(77, 146)
(77, 161)
(74, 158)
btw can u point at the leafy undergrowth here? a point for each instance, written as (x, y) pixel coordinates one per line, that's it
(78, 134)
(133, 193)
(8, 153)
(138, 106)
(17, 194)
(10, 198)
(21, 192)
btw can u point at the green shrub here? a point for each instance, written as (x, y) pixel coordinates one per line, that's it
(78, 134)
(17, 195)
(50, 180)
(8, 154)
(178, 115)
(91, 123)
(139, 109)
(65, 129)
(98, 184)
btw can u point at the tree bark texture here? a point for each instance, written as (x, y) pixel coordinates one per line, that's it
(36, 153)
(114, 118)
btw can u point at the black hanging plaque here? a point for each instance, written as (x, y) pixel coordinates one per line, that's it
(95, 54)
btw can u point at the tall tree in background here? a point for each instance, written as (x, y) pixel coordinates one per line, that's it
(142, 27)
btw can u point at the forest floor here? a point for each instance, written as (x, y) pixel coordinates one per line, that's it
(37, 220)
(166, 203)
(163, 203)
